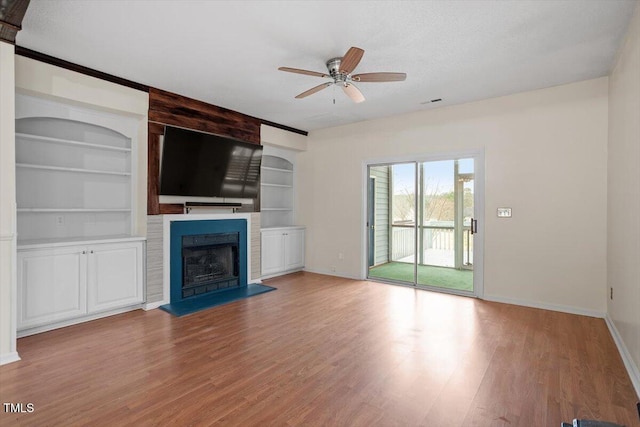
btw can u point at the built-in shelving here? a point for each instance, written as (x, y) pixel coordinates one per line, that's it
(276, 197)
(277, 185)
(267, 168)
(49, 210)
(65, 169)
(27, 137)
(74, 172)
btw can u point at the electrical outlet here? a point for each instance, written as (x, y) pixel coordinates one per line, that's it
(60, 220)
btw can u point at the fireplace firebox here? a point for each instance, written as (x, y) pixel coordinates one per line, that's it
(210, 262)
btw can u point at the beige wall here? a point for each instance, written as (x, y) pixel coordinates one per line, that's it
(623, 256)
(545, 157)
(7, 206)
(44, 80)
(282, 138)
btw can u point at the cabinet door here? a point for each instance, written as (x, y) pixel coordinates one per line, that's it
(52, 285)
(272, 245)
(114, 275)
(294, 249)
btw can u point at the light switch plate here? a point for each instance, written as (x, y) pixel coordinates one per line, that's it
(504, 212)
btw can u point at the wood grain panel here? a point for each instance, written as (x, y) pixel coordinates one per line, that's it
(325, 351)
(153, 168)
(166, 108)
(11, 16)
(177, 110)
(171, 208)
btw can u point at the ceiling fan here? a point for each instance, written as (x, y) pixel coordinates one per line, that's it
(340, 70)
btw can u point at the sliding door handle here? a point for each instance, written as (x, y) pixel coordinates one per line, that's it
(474, 226)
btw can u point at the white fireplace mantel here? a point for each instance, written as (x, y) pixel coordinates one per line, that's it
(166, 233)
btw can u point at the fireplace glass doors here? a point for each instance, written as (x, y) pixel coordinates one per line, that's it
(210, 262)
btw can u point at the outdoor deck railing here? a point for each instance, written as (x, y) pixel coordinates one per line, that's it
(434, 237)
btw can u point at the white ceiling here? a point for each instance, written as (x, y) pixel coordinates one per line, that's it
(227, 52)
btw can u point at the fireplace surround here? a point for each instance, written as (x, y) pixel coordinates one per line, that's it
(249, 238)
(206, 256)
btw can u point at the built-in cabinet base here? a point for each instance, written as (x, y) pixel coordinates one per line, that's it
(63, 284)
(282, 250)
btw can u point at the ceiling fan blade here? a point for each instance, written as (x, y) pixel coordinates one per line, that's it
(351, 59)
(305, 72)
(314, 90)
(379, 77)
(353, 93)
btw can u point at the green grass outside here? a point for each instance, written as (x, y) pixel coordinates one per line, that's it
(442, 277)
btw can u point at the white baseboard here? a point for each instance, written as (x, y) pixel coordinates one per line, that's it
(9, 358)
(632, 368)
(64, 323)
(280, 273)
(545, 306)
(152, 305)
(333, 273)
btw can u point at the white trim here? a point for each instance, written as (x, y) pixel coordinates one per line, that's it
(629, 364)
(9, 358)
(56, 325)
(6, 237)
(279, 273)
(546, 306)
(152, 305)
(334, 274)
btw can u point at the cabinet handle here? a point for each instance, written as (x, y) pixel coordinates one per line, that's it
(84, 252)
(91, 252)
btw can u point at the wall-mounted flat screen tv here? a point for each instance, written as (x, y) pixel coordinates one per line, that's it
(206, 165)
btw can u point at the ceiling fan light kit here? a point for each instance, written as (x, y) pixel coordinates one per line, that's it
(340, 69)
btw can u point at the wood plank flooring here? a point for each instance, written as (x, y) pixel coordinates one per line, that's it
(324, 351)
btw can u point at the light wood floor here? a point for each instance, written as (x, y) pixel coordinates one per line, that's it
(325, 351)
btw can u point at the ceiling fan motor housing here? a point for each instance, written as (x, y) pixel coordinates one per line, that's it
(333, 65)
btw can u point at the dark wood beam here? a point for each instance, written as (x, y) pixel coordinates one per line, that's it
(11, 16)
(52, 60)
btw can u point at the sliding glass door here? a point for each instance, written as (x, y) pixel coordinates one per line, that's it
(421, 224)
(393, 225)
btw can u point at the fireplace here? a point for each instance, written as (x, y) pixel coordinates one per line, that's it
(206, 261)
(210, 262)
(207, 257)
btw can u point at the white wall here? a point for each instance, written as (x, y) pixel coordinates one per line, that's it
(623, 256)
(7, 206)
(48, 81)
(545, 157)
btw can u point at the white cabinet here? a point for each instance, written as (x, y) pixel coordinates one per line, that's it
(272, 250)
(114, 276)
(61, 283)
(52, 285)
(294, 249)
(282, 250)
